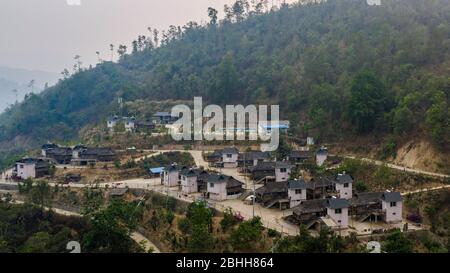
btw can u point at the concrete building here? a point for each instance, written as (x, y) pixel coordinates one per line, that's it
(337, 210)
(164, 118)
(222, 187)
(130, 124)
(191, 180)
(282, 171)
(230, 157)
(298, 157)
(296, 192)
(31, 168)
(391, 205)
(171, 175)
(249, 159)
(111, 122)
(321, 156)
(344, 186)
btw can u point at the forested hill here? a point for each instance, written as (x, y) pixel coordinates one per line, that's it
(337, 69)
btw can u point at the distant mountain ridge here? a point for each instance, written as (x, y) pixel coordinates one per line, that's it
(19, 79)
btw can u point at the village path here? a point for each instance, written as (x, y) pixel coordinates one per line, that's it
(397, 167)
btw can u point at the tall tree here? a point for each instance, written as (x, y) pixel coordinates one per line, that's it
(366, 101)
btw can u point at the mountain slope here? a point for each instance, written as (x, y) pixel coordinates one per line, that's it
(330, 66)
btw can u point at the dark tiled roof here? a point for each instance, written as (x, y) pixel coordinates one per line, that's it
(344, 178)
(322, 152)
(254, 155)
(320, 182)
(79, 147)
(337, 203)
(366, 198)
(391, 197)
(114, 118)
(282, 164)
(49, 146)
(310, 206)
(263, 166)
(220, 178)
(175, 167)
(273, 187)
(59, 151)
(297, 184)
(230, 150)
(191, 172)
(98, 151)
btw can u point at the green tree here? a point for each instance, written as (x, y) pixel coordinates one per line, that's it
(367, 96)
(438, 120)
(396, 242)
(212, 13)
(200, 240)
(247, 234)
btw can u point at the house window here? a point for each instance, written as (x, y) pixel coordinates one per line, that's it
(338, 211)
(393, 204)
(229, 155)
(211, 185)
(21, 166)
(282, 170)
(345, 185)
(299, 191)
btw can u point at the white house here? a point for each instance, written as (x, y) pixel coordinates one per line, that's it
(222, 187)
(296, 192)
(344, 186)
(189, 179)
(130, 124)
(391, 205)
(171, 176)
(282, 171)
(337, 210)
(77, 150)
(321, 156)
(230, 157)
(47, 147)
(31, 168)
(309, 141)
(112, 122)
(253, 158)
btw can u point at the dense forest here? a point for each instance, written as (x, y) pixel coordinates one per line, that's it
(337, 69)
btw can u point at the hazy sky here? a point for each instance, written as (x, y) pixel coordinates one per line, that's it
(47, 34)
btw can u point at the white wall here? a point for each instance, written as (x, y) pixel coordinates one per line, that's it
(170, 179)
(393, 214)
(129, 126)
(280, 177)
(294, 198)
(340, 219)
(189, 184)
(25, 171)
(345, 193)
(232, 159)
(320, 159)
(111, 124)
(218, 191)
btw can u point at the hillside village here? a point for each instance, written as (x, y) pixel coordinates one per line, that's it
(280, 190)
(338, 175)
